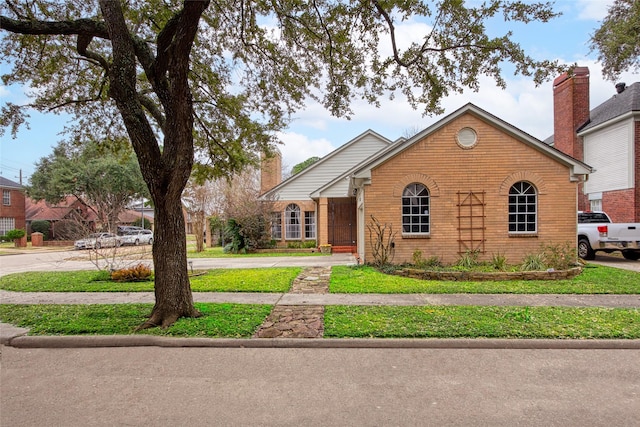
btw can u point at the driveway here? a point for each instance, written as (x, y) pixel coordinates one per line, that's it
(76, 260)
(616, 261)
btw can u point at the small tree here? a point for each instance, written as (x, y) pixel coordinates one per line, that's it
(382, 240)
(16, 234)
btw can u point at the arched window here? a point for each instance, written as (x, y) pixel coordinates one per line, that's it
(292, 222)
(523, 208)
(415, 209)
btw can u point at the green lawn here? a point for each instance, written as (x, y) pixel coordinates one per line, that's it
(242, 320)
(481, 322)
(219, 280)
(594, 279)
(218, 320)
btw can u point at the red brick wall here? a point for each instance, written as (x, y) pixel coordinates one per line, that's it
(15, 210)
(492, 166)
(619, 205)
(570, 110)
(636, 195)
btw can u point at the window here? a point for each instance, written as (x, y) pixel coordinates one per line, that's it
(276, 225)
(415, 209)
(7, 224)
(292, 222)
(6, 197)
(595, 205)
(309, 225)
(523, 208)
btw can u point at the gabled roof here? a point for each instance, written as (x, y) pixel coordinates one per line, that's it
(618, 105)
(319, 168)
(7, 183)
(42, 210)
(363, 170)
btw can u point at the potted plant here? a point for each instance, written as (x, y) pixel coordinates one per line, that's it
(325, 248)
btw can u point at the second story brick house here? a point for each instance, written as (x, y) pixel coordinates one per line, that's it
(606, 137)
(12, 209)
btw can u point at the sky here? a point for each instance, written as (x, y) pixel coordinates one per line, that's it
(314, 132)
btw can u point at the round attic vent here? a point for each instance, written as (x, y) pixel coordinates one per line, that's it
(467, 137)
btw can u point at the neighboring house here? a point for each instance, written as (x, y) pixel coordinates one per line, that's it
(470, 182)
(12, 209)
(315, 204)
(68, 214)
(607, 138)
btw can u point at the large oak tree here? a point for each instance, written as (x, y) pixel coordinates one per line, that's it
(617, 41)
(204, 85)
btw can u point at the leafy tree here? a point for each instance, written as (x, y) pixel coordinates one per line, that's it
(104, 183)
(206, 84)
(303, 165)
(617, 41)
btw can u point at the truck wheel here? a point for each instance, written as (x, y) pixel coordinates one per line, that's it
(631, 255)
(584, 249)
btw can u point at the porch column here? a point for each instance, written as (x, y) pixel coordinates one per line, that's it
(323, 224)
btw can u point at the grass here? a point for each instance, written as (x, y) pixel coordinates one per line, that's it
(217, 252)
(594, 279)
(218, 320)
(242, 320)
(481, 322)
(220, 280)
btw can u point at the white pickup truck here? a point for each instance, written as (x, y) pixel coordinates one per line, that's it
(597, 233)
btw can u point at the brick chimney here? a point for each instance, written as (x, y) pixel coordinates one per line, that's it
(270, 171)
(570, 110)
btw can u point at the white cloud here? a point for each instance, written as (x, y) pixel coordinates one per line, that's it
(4, 92)
(593, 9)
(297, 148)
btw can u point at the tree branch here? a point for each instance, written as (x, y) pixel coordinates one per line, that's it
(87, 27)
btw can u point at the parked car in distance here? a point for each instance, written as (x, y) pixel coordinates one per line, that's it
(597, 233)
(124, 229)
(137, 237)
(97, 241)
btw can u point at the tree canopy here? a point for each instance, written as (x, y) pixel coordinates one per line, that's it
(204, 85)
(617, 41)
(103, 180)
(303, 165)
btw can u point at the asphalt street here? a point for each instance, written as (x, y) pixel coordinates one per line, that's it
(148, 386)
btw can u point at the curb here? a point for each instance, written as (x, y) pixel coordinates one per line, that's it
(94, 341)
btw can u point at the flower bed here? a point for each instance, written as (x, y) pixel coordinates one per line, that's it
(477, 276)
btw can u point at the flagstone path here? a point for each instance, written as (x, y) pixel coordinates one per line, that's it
(299, 321)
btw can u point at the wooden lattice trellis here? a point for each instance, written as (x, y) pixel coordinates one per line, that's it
(471, 222)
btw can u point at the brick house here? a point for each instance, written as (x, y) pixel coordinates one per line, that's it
(12, 209)
(70, 218)
(469, 182)
(606, 137)
(315, 204)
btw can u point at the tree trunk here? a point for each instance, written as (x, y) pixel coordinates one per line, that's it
(172, 288)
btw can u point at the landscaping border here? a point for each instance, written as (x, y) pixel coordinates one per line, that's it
(478, 276)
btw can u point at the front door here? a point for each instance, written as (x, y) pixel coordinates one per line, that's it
(342, 222)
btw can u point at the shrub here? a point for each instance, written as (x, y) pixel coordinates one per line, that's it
(308, 244)
(16, 233)
(469, 259)
(138, 273)
(420, 262)
(533, 262)
(41, 226)
(499, 261)
(560, 256)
